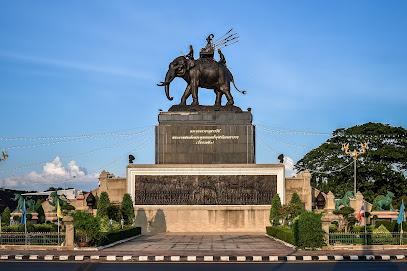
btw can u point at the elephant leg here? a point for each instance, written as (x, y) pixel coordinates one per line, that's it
(218, 100)
(226, 90)
(194, 90)
(186, 95)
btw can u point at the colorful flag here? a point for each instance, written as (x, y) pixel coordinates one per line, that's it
(99, 182)
(400, 218)
(59, 213)
(361, 213)
(23, 215)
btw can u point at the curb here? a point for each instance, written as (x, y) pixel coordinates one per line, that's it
(105, 246)
(281, 241)
(112, 258)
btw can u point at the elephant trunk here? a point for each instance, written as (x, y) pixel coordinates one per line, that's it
(168, 79)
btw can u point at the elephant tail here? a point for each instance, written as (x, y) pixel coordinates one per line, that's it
(233, 81)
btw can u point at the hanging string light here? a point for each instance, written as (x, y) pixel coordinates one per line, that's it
(75, 177)
(268, 147)
(75, 140)
(79, 136)
(288, 143)
(291, 132)
(80, 154)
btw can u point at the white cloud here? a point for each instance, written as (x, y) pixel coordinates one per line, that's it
(53, 174)
(289, 167)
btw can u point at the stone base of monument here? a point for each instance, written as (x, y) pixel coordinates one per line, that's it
(205, 135)
(204, 198)
(202, 218)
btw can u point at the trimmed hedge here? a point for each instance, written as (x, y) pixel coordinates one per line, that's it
(391, 226)
(281, 233)
(362, 228)
(31, 228)
(308, 232)
(114, 236)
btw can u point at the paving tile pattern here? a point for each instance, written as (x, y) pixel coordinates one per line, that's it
(177, 243)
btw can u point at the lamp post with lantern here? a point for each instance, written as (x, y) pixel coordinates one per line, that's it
(354, 154)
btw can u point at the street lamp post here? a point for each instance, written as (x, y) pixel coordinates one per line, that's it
(354, 154)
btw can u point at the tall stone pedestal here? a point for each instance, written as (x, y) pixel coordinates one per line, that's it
(205, 135)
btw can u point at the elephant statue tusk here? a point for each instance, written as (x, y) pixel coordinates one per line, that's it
(163, 84)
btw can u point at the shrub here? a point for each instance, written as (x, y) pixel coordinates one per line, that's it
(14, 228)
(104, 222)
(103, 204)
(381, 235)
(31, 228)
(281, 233)
(332, 228)
(127, 209)
(275, 210)
(29, 216)
(114, 213)
(308, 232)
(40, 211)
(17, 218)
(45, 228)
(86, 226)
(390, 226)
(296, 205)
(118, 235)
(5, 216)
(362, 228)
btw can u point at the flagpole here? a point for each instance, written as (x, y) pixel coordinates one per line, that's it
(401, 225)
(58, 230)
(25, 223)
(364, 218)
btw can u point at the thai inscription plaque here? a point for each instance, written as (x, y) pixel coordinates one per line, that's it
(205, 189)
(205, 137)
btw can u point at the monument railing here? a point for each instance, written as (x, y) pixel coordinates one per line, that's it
(368, 238)
(32, 238)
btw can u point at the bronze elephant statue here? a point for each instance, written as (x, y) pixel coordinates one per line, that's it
(201, 73)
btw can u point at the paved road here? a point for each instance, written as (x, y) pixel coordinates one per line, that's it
(335, 266)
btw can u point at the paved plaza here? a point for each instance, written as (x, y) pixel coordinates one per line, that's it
(199, 244)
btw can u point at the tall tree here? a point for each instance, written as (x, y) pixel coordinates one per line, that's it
(127, 209)
(5, 216)
(296, 205)
(103, 204)
(275, 214)
(382, 168)
(40, 211)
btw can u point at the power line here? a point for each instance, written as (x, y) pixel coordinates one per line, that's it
(80, 154)
(78, 136)
(74, 177)
(331, 171)
(268, 147)
(295, 132)
(288, 143)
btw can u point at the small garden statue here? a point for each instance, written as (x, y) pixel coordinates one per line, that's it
(55, 198)
(345, 201)
(384, 202)
(20, 202)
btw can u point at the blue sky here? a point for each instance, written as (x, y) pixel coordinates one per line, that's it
(88, 67)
